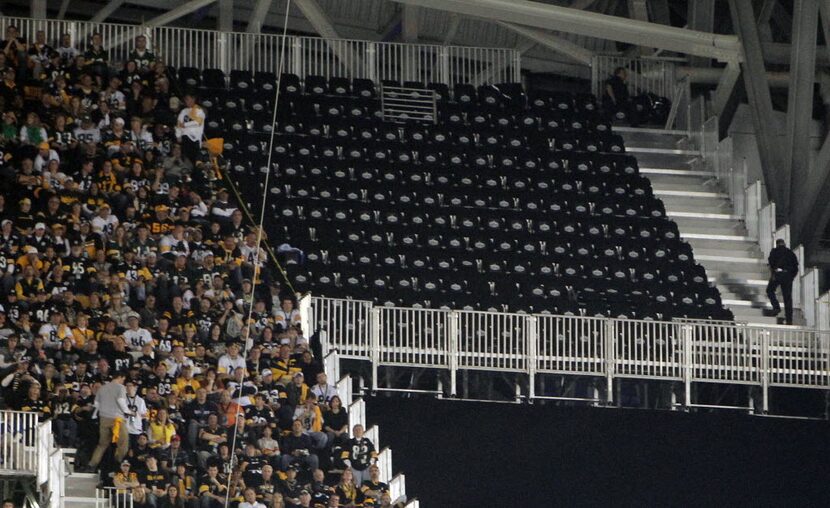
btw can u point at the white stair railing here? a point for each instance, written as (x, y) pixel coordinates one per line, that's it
(112, 497)
(19, 443)
(400, 104)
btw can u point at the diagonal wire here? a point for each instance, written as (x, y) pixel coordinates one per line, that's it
(247, 329)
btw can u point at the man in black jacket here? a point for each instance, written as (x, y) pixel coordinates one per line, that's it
(783, 265)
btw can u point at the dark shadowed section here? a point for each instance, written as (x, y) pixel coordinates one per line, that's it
(475, 454)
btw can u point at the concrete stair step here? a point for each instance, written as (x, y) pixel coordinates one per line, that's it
(79, 501)
(706, 226)
(650, 159)
(658, 172)
(709, 204)
(636, 150)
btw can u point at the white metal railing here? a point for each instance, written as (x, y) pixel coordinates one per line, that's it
(113, 497)
(645, 75)
(188, 47)
(384, 463)
(341, 322)
(682, 351)
(56, 483)
(20, 437)
(397, 488)
(344, 390)
(357, 414)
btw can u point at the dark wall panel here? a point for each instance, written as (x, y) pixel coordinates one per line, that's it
(458, 454)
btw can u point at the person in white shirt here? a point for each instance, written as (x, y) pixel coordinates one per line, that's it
(231, 360)
(138, 408)
(54, 331)
(323, 390)
(190, 127)
(178, 361)
(250, 500)
(136, 336)
(44, 155)
(105, 222)
(286, 315)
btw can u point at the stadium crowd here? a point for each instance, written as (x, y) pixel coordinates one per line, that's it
(128, 316)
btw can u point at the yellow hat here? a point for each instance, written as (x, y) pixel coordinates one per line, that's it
(44, 146)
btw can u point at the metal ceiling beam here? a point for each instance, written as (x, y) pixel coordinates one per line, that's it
(701, 16)
(550, 41)
(799, 111)
(224, 23)
(318, 19)
(582, 4)
(757, 88)
(106, 11)
(764, 16)
(726, 86)
(409, 23)
(455, 21)
(38, 9)
(180, 11)
(592, 24)
(62, 9)
(258, 16)
(817, 205)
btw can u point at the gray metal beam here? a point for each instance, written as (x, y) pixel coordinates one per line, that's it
(38, 10)
(409, 23)
(757, 88)
(455, 21)
(582, 4)
(550, 41)
(258, 16)
(224, 22)
(592, 24)
(799, 110)
(817, 188)
(62, 9)
(105, 11)
(180, 11)
(318, 19)
(764, 15)
(726, 86)
(701, 16)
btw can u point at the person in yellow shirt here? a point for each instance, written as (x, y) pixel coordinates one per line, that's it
(161, 430)
(186, 385)
(81, 334)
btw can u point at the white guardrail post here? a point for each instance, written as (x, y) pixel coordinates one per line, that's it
(453, 336)
(688, 363)
(752, 207)
(374, 326)
(823, 312)
(532, 327)
(610, 359)
(765, 369)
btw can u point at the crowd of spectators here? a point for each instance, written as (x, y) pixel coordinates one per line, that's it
(128, 316)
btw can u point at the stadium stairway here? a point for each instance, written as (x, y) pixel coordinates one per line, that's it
(79, 489)
(706, 219)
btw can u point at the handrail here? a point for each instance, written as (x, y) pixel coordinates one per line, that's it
(377, 61)
(20, 439)
(687, 351)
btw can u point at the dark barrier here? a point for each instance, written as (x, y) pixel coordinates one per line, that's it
(459, 454)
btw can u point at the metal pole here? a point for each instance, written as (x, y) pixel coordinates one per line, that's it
(610, 343)
(532, 323)
(688, 332)
(375, 353)
(453, 331)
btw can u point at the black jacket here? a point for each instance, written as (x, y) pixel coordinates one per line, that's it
(784, 259)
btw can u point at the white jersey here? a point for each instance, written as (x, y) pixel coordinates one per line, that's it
(228, 364)
(192, 121)
(106, 226)
(136, 339)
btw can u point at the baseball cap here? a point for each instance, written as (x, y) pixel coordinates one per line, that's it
(44, 145)
(40, 225)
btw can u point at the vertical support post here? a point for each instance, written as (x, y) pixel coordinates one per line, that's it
(688, 364)
(375, 341)
(610, 358)
(532, 324)
(595, 77)
(38, 10)
(765, 344)
(453, 331)
(444, 60)
(371, 61)
(222, 50)
(297, 57)
(799, 112)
